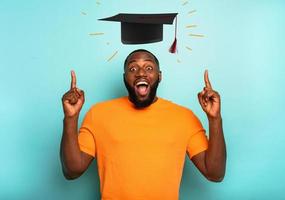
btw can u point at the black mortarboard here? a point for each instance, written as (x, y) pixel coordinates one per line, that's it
(142, 28)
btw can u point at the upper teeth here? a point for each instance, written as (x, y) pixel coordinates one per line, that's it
(141, 83)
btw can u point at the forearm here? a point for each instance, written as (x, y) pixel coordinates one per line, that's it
(70, 152)
(216, 154)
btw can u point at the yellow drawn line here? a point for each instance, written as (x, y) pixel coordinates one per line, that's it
(112, 56)
(196, 35)
(191, 26)
(192, 11)
(185, 3)
(189, 48)
(94, 34)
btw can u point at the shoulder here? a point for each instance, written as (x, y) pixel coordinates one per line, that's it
(175, 107)
(185, 116)
(179, 112)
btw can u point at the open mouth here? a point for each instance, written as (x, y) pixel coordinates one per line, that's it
(142, 87)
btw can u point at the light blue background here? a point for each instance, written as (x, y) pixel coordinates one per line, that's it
(243, 48)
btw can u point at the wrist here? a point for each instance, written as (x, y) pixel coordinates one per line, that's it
(217, 118)
(69, 119)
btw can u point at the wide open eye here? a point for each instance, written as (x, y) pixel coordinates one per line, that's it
(149, 68)
(132, 69)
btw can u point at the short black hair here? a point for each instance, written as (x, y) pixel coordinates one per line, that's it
(141, 50)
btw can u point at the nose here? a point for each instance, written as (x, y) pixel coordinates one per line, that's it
(141, 72)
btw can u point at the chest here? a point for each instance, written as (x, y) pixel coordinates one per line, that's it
(158, 134)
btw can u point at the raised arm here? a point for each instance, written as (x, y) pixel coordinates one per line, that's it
(212, 162)
(73, 161)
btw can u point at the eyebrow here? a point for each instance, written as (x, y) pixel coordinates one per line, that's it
(131, 61)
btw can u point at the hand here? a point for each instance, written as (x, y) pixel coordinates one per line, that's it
(73, 100)
(209, 99)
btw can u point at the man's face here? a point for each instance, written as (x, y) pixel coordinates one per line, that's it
(141, 78)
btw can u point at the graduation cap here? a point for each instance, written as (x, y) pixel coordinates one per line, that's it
(143, 28)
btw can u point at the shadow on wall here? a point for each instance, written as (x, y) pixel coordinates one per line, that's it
(85, 187)
(193, 184)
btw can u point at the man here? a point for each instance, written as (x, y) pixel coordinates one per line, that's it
(140, 141)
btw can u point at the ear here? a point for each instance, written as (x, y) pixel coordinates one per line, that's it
(159, 76)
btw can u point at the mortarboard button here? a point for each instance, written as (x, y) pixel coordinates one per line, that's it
(142, 28)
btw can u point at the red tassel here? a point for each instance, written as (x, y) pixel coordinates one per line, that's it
(173, 48)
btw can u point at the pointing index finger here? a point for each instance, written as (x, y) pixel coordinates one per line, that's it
(73, 80)
(206, 79)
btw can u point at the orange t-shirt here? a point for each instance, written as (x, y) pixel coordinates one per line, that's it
(140, 152)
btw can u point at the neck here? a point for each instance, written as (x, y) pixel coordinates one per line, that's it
(153, 101)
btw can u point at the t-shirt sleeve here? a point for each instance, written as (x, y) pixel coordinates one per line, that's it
(86, 137)
(198, 141)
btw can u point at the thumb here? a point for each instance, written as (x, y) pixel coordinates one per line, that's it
(200, 99)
